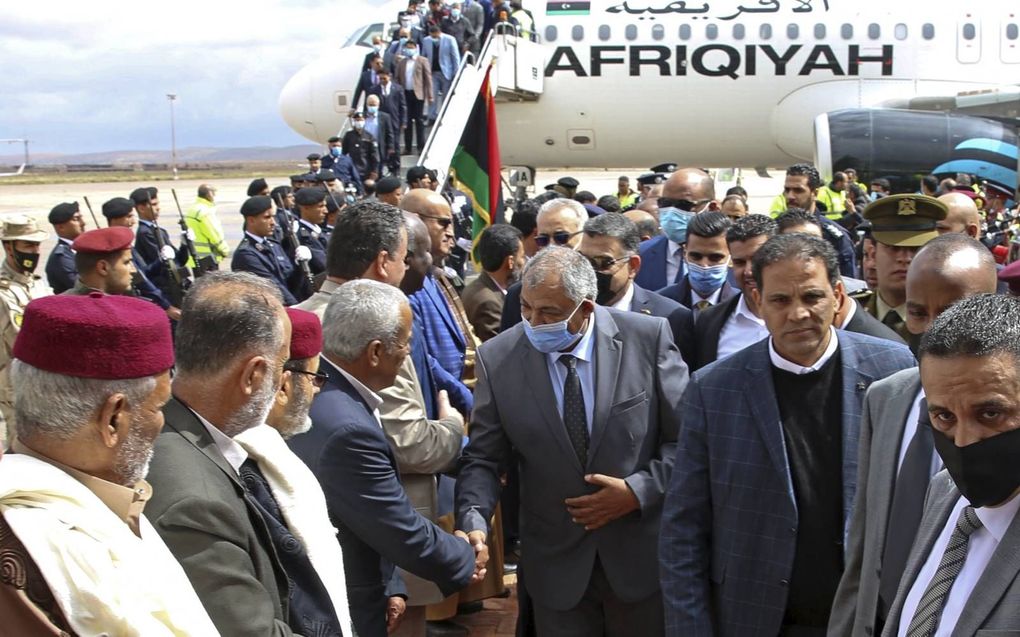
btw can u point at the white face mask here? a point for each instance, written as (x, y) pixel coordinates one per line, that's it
(359, 125)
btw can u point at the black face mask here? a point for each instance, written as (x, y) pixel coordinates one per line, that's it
(606, 293)
(27, 260)
(986, 472)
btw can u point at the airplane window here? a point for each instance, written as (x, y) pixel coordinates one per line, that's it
(577, 33)
(792, 31)
(630, 32)
(847, 31)
(1012, 31)
(874, 31)
(901, 31)
(969, 31)
(604, 32)
(712, 31)
(738, 32)
(765, 32)
(928, 31)
(819, 31)
(658, 32)
(550, 33)
(685, 32)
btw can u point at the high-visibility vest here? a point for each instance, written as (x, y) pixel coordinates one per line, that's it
(209, 241)
(526, 25)
(835, 202)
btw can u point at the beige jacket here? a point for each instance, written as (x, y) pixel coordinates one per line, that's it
(16, 290)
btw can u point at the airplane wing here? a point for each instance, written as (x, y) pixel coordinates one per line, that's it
(996, 103)
(21, 170)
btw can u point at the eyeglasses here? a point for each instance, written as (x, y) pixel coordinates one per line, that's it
(601, 264)
(683, 204)
(561, 238)
(318, 378)
(444, 222)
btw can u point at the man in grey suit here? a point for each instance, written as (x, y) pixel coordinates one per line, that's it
(763, 482)
(231, 343)
(963, 573)
(594, 442)
(893, 474)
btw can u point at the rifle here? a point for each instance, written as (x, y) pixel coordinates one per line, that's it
(89, 206)
(203, 265)
(177, 283)
(291, 236)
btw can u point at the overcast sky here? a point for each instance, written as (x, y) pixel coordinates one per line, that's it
(93, 76)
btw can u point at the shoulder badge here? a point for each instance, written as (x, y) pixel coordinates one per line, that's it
(17, 317)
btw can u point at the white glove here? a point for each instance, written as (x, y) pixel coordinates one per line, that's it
(302, 254)
(295, 226)
(189, 235)
(167, 252)
(465, 244)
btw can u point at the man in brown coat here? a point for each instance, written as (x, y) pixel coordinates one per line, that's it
(501, 254)
(415, 76)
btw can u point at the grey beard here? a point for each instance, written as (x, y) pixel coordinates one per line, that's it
(134, 457)
(254, 412)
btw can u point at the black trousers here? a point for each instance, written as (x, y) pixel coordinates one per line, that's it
(415, 121)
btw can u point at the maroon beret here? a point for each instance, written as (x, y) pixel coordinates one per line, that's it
(305, 334)
(104, 240)
(95, 336)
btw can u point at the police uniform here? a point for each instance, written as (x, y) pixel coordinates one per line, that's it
(264, 257)
(903, 221)
(60, 269)
(17, 288)
(120, 207)
(310, 234)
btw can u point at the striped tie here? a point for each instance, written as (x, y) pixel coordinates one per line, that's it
(929, 609)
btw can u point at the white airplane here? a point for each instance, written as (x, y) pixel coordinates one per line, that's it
(885, 87)
(20, 171)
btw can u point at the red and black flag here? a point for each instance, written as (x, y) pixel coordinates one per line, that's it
(475, 166)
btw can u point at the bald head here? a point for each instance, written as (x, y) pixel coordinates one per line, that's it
(692, 184)
(949, 268)
(647, 225)
(434, 211)
(962, 218)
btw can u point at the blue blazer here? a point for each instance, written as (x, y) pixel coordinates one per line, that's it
(345, 171)
(442, 335)
(269, 261)
(61, 272)
(729, 522)
(652, 275)
(378, 526)
(449, 55)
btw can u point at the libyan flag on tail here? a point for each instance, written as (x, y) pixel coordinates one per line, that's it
(475, 166)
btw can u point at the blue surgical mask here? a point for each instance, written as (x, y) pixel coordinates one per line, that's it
(551, 337)
(334, 151)
(454, 13)
(674, 223)
(411, 52)
(373, 110)
(705, 280)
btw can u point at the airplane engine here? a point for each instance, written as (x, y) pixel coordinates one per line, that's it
(903, 146)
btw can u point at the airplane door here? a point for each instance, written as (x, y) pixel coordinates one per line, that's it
(1009, 39)
(968, 40)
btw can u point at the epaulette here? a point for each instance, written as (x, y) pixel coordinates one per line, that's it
(834, 231)
(862, 296)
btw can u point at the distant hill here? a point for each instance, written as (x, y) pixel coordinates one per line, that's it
(184, 155)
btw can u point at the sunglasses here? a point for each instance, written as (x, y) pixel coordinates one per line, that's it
(561, 238)
(602, 264)
(318, 378)
(682, 204)
(444, 222)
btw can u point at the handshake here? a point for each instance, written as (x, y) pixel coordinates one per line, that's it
(477, 541)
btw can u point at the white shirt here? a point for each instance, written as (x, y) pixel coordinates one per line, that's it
(712, 298)
(624, 303)
(981, 547)
(800, 370)
(741, 330)
(372, 399)
(234, 453)
(584, 351)
(314, 229)
(849, 315)
(909, 429)
(409, 74)
(258, 240)
(674, 260)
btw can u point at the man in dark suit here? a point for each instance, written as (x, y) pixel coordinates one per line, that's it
(501, 255)
(765, 472)
(68, 224)
(707, 259)
(384, 129)
(392, 102)
(259, 254)
(610, 243)
(231, 344)
(369, 78)
(963, 573)
(594, 444)
(366, 337)
(893, 474)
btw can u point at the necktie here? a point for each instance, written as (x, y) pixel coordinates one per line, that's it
(929, 609)
(891, 319)
(907, 506)
(680, 268)
(574, 416)
(702, 305)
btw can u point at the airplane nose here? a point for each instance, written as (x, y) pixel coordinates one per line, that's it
(315, 102)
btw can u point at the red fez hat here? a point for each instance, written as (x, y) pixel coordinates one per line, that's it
(104, 240)
(95, 336)
(305, 334)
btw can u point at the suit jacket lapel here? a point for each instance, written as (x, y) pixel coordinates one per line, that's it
(886, 464)
(760, 393)
(855, 383)
(608, 351)
(999, 575)
(639, 302)
(536, 374)
(181, 419)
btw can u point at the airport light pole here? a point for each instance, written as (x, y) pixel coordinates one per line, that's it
(172, 97)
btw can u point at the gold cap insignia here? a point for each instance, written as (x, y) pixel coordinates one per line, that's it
(907, 207)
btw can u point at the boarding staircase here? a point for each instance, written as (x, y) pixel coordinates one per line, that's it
(518, 72)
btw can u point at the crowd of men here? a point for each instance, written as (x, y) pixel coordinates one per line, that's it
(671, 413)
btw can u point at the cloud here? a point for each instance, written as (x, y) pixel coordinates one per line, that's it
(94, 76)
